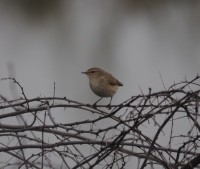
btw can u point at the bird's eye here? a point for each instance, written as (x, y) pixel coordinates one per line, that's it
(92, 71)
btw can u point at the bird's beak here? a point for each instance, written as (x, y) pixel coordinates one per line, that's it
(84, 72)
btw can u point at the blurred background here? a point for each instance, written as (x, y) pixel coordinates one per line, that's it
(138, 41)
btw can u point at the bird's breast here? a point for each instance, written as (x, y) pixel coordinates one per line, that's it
(103, 89)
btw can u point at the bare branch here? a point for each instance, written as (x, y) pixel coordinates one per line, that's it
(133, 130)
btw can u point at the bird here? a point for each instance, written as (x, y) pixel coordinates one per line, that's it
(102, 83)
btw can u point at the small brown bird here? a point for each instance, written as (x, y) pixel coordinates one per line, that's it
(102, 83)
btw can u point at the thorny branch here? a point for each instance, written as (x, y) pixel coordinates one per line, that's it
(158, 129)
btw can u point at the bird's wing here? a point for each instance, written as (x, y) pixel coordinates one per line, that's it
(114, 82)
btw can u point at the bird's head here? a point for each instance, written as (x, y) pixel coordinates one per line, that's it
(94, 72)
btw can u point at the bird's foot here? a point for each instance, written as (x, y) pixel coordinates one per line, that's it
(94, 105)
(109, 106)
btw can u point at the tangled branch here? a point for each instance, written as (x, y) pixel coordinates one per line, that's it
(155, 129)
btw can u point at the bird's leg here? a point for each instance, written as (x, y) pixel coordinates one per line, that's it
(94, 105)
(109, 103)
